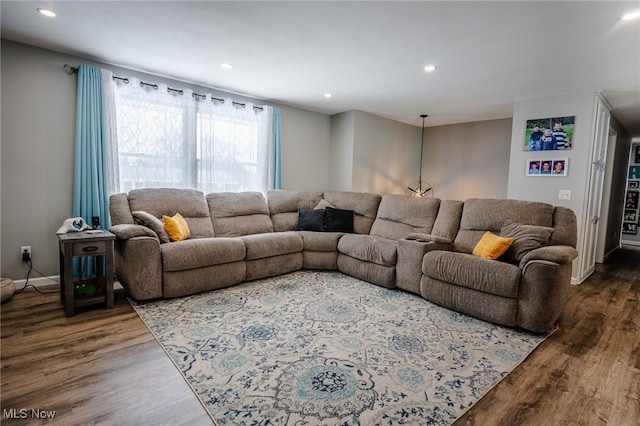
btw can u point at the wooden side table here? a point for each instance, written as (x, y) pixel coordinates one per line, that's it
(82, 244)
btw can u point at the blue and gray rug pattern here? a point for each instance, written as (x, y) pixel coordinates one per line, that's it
(323, 348)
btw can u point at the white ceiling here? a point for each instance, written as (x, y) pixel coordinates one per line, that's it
(370, 55)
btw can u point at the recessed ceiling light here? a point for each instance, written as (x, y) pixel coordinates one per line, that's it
(430, 68)
(46, 12)
(226, 66)
(631, 16)
(328, 95)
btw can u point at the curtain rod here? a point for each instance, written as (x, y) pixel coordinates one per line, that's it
(74, 70)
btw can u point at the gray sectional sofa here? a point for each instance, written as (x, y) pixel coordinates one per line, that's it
(420, 245)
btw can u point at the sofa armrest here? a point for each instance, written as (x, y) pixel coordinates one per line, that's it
(544, 290)
(138, 261)
(127, 231)
(544, 287)
(557, 254)
(428, 237)
(409, 266)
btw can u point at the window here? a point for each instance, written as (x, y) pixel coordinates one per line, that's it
(227, 153)
(168, 139)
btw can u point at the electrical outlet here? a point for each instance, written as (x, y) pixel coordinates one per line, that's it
(564, 194)
(25, 253)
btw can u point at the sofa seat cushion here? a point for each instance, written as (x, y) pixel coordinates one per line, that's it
(465, 270)
(272, 244)
(320, 241)
(201, 252)
(378, 250)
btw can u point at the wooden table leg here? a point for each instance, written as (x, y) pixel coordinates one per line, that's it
(62, 270)
(108, 282)
(69, 303)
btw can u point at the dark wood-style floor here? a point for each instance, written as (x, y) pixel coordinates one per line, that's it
(104, 366)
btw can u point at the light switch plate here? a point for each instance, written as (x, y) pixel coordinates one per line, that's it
(564, 194)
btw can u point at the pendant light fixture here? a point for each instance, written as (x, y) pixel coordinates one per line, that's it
(420, 188)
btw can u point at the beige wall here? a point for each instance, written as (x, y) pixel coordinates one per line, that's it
(341, 151)
(468, 160)
(372, 154)
(38, 125)
(305, 149)
(386, 154)
(375, 154)
(38, 121)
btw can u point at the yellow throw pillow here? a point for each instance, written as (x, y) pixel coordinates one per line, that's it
(492, 246)
(176, 227)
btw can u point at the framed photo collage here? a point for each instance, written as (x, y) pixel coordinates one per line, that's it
(553, 134)
(630, 218)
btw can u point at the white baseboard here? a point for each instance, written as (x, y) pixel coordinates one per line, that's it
(38, 281)
(580, 280)
(630, 243)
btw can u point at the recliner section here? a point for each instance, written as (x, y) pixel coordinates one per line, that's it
(373, 257)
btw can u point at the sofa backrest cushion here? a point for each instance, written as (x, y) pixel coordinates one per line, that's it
(284, 205)
(401, 215)
(119, 210)
(488, 214)
(448, 220)
(363, 204)
(234, 214)
(191, 204)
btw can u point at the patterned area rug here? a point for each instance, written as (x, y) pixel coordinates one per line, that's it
(322, 348)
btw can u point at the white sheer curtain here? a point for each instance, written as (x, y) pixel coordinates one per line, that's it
(111, 132)
(156, 128)
(232, 146)
(168, 139)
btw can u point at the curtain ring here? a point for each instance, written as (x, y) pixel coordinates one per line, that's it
(155, 86)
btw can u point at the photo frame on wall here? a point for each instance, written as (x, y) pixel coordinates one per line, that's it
(547, 167)
(630, 216)
(631, 200)
(630, 228)
(633, 184)
(549, 134)
(634, 172)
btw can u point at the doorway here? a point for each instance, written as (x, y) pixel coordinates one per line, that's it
(603, 231)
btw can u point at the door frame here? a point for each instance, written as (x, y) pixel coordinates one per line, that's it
(593, 197)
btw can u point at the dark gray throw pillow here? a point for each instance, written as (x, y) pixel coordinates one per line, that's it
(150, 221)
(338, 220)
(525, 238)
(310, 220)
